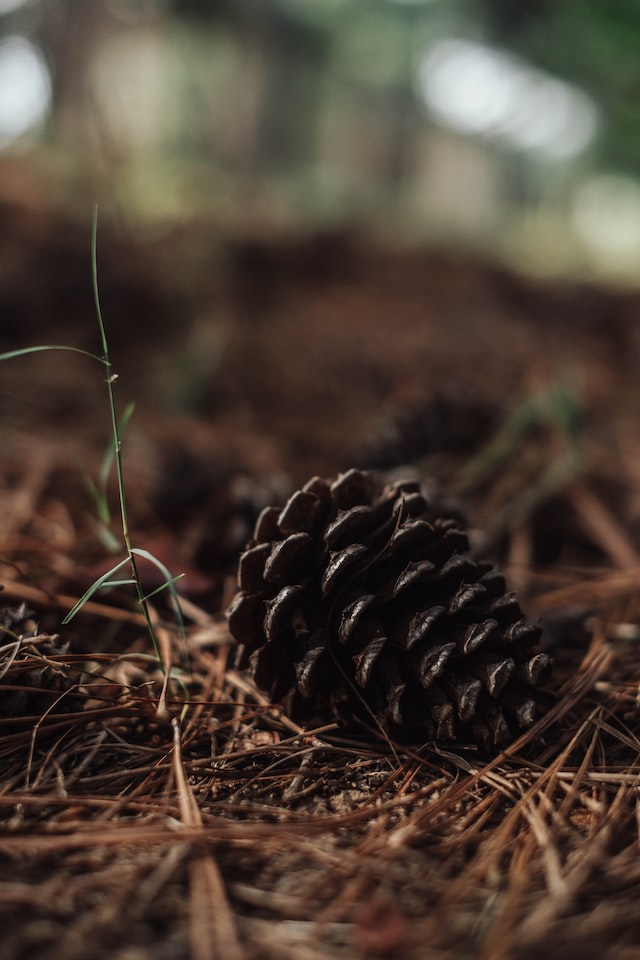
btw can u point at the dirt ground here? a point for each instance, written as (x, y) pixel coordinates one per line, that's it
(177, 814)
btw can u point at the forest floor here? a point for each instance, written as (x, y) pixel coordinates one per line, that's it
(175, 813)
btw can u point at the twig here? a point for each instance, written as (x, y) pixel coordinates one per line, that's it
(213, 930)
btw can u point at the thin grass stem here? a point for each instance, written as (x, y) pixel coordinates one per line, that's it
(117, 443)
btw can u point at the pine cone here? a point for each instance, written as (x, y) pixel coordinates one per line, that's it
(355, 602)
(32, 683)
(452, 420)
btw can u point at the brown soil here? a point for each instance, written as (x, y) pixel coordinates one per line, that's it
(190, 818)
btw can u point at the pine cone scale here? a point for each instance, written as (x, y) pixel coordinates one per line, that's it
(477, 634)
(277, 620)
(432, 662)
(494, 674)
(251, 568)
(303, 513)
(351, 615)
(289, 558)
(340, 563)
(420, 625)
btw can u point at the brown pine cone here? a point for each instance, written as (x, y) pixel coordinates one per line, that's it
(33, 683)
(453, 420)
(356, 603)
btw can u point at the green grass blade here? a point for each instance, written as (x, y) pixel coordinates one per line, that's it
(128, 582)
(107, 538)
(93, 589)
(50, 346)
(94, 277)
(107, 461)
(164, 586)
(169, 583)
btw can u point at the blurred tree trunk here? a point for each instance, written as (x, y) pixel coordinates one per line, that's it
(284, 61)
(71, 33)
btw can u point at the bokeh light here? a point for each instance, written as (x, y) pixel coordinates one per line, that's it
(25, 88)
(479, 90)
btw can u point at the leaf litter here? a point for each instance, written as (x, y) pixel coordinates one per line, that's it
(218, 827)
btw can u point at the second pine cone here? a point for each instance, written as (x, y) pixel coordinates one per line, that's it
(356, 603)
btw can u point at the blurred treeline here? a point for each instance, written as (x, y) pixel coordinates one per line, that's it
(312, 112)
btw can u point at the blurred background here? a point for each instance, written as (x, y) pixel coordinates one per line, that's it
(505, 126)
(332, 233)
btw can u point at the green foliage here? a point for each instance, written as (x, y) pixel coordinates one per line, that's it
(98, 490)
(594, 45)
(555, 412)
